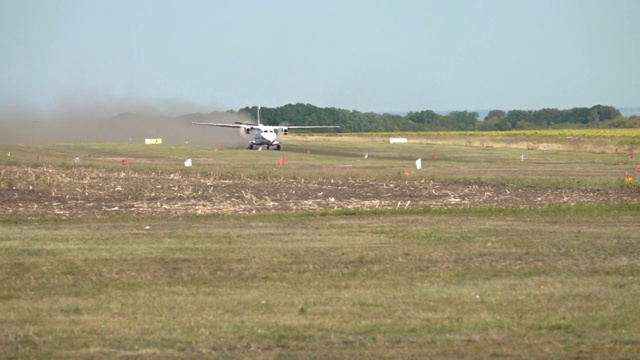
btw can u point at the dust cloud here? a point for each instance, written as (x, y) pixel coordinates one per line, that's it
(81, 123)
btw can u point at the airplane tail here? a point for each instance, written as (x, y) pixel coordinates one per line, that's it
(244, 123)
(259, 115)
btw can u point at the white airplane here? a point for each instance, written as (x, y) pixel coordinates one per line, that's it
(265, 134)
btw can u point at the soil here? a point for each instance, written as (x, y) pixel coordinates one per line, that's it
(27, 192)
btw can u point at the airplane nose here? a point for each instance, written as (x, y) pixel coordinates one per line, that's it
(269, 136)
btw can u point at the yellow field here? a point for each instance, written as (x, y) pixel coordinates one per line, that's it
(551, 133)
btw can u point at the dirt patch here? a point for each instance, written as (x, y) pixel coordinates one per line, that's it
(46, 192)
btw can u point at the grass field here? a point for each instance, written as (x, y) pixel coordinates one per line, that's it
(515, 277)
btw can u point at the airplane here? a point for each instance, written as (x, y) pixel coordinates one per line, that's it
(265, 134)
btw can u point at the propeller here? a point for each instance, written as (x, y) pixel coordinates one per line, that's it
(245, 130)
(285, 127)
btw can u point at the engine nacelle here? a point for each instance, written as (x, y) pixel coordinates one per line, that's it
(285, 131)
(247, 130)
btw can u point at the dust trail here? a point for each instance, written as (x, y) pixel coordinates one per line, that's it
(91, 124)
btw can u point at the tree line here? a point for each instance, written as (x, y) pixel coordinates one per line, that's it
(598, 116)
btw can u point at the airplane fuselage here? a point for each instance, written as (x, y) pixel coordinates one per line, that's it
(265, 135)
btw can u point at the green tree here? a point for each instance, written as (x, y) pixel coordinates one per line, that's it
(428, 120)
(462, 120)
(604, 113)
(548, 117)
(495, 114)
(514, 117)
(427, 117)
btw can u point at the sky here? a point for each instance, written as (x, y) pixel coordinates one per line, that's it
(365, 55)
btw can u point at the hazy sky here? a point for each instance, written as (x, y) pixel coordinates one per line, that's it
(396, 55)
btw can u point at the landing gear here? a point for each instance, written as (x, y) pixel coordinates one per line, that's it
(276, 146)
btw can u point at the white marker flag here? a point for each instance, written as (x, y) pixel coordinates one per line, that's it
(187, 163)
(366, 155)
(419, 164)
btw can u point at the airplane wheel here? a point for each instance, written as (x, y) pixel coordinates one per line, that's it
(277, 147)
(268, 148)
(250, 146)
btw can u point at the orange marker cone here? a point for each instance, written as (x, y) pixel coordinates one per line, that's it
(628, 177)
(281, 162)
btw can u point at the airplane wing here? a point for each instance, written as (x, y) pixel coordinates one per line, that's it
(224, 125)
(306, 127)
(283, 128)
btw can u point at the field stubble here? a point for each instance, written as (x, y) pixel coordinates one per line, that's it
(329, 177)
(80, 192)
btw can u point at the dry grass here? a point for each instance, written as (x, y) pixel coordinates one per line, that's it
(502, 280)
(582, 140)
(541, 284)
